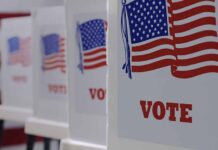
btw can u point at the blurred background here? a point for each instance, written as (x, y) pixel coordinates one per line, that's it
(13, 137)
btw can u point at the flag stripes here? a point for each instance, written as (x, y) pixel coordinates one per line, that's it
(197, 51)
(180, 34)
(20, 53)
(56, 60)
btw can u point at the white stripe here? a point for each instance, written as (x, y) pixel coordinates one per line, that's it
(54, 64)
(94, 49)
(198, 41)
(193, 6)
(196, 54)
(195, 17)
(95, 55)
(196, 30)
(141, 63)
(93, 63)
(47, 60)
(176, 1)
(158, 47)
(196, 66)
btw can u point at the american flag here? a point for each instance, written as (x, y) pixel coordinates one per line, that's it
(19, 51)
(177, 33)
(54, 52)
(92, 43)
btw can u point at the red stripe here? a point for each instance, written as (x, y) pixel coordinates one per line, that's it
(54, 67)
(193, 11)
(62, 50)
(194, 24)
(150, 45)
(153, 66)
(94, 52)
(14, 136)
(160, 53)
(55, 56)
(198, 59)
(179, 40)
(62, 39)
(98, 65)
(196, 72)
(185, 3)
(15, 14)
(87, 60)
(54, 62)
(197, 48)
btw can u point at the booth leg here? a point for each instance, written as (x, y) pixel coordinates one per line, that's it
(1, 130)
(30, 142)
(47, 143)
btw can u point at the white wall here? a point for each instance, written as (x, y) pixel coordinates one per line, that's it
(25, 5)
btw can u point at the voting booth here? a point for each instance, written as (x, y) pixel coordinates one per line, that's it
(86, 32)
(163, 75)
(50, 107)
(17, 84)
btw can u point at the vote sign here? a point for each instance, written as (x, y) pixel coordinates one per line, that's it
(53, 64)
(91, 63)
(16, 44)
(168, 72)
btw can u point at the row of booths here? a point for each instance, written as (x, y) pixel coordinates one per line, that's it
(114, 75)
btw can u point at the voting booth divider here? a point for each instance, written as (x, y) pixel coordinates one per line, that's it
(17, 91)
(50, 111)
(86, 48)
(162, 86)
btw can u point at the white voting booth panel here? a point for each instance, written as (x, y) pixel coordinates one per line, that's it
(50, 107)
(86, 32)
(162, 75)
(17, 91)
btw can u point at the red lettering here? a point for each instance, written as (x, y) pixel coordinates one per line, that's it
(101, 94)
(185, 108)
(172, 107)
(57, 89)
(159, 110)
(92, 93)
(21, 79)
(146, 110)
(159, 115)
(97, 93)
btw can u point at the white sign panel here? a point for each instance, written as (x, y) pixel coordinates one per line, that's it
(86, 31)
(53, 63)
(167, 72)
(17, 62)
(90, 84)
(50, 64)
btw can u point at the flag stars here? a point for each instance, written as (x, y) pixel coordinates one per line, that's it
(146, 19)
(93, 34)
